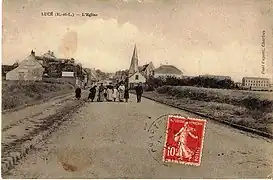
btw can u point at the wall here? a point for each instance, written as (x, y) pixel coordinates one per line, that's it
(28, 70)
(141, 78)
(25, 74)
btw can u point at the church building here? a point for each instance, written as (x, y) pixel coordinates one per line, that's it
(134, 75)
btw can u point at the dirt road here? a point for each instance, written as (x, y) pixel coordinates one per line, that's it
(110, 140)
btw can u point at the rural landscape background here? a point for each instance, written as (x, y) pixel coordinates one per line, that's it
(198, 59)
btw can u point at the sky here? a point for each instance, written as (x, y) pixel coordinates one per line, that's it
(197, 36)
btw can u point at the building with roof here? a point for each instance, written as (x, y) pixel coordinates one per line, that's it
(7, 68)
(28, 69)
(134, 63)
(256, 83)
(147, 70)
(135, 76)
(168, 70)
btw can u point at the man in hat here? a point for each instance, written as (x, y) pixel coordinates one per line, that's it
(78, 92)
(139, 92)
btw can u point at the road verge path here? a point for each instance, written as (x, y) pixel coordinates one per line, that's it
(110, 140)
(24, 128)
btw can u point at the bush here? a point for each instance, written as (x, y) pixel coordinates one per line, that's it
(195, 81)
(254, 103)
(210, 95)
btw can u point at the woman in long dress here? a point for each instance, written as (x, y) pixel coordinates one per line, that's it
(115, 93)
(121, 90)
(110, 93)
(100, 94)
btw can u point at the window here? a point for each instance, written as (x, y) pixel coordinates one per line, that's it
(136, 77)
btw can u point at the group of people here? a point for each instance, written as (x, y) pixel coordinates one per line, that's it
(111, 93)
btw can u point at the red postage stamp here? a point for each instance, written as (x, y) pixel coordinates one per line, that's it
(184, 140)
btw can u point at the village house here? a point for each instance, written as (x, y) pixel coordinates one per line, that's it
(147, 70)
(28, 70)
(167, 70)
(134, 75)
(7, 68)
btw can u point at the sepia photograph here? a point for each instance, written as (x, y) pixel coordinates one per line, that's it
(137, 89)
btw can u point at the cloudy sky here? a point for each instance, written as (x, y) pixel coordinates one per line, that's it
(197, 36)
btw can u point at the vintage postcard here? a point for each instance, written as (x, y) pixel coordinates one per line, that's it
(89, 87)
(184, 140)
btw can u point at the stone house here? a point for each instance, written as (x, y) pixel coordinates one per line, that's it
(28, 70)
(147, 70)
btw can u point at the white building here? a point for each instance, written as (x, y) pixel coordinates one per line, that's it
(135, 76)
(28, 70)
(167, 70)
(256, 83)
(67, 74)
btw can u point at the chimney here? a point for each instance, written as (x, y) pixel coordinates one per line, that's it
(32, 53)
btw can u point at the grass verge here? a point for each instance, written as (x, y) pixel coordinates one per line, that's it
(16, 93)
(242, 108)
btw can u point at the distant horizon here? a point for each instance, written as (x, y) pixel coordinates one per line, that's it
(198, 37)
(76, 61)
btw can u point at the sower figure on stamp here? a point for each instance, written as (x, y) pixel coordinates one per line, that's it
(181, 138)
(139, 91)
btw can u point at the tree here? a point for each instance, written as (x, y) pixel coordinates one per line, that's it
(101, 74)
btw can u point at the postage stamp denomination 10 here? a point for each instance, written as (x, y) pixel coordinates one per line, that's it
(184, 140)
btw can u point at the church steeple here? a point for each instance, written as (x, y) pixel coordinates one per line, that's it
(134, 62)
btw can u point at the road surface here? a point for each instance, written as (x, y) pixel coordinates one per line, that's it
(110, 140)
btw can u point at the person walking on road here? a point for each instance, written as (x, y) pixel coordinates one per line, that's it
(139, 92)
(78, 92)
(121, 90)
(126, 94)
(105, 93)
(92, 93)
(115, 93)
(101, 91)
(110, 93)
